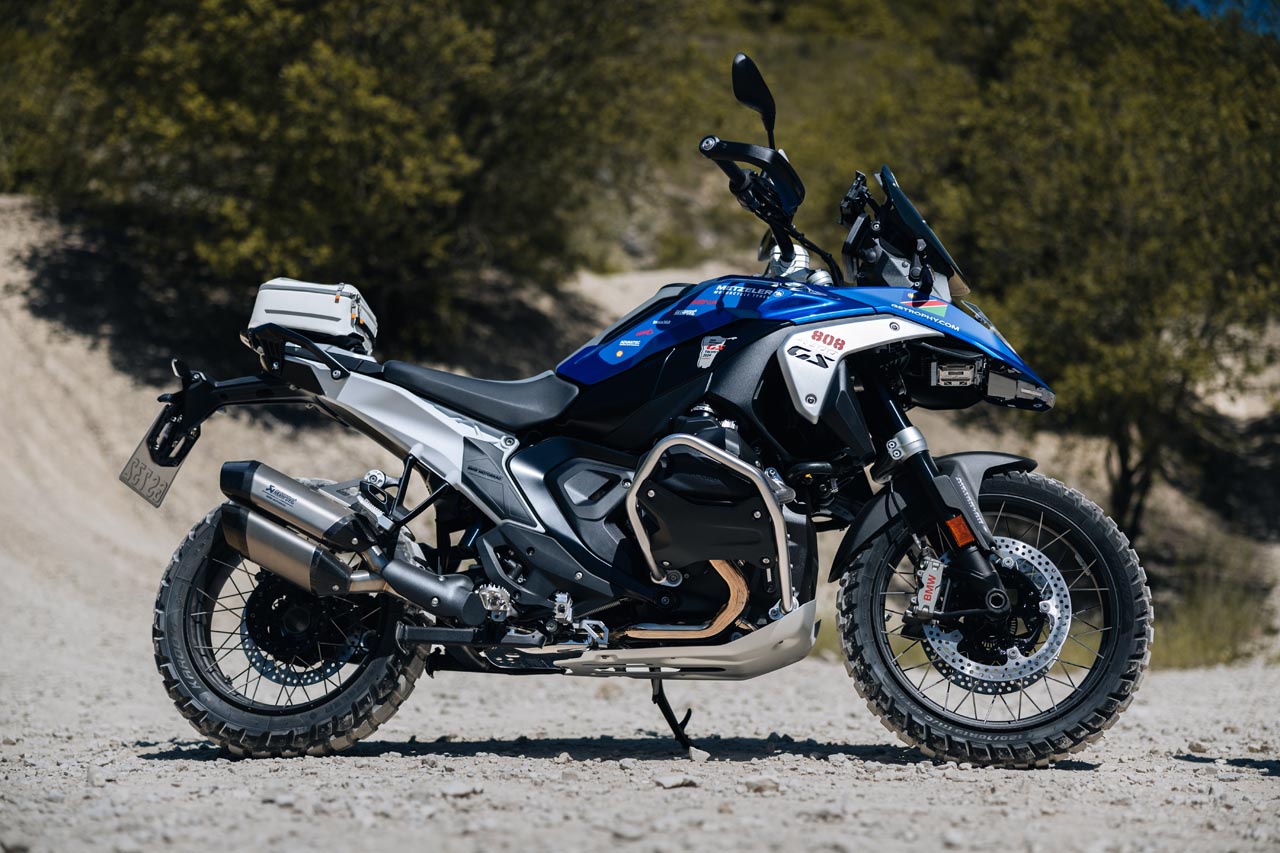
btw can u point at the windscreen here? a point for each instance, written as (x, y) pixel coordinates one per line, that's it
(915, 223)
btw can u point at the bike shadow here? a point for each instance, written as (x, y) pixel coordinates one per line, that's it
(603, 748)
(1268, 766)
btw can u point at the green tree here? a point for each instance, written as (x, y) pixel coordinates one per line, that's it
(412, 148)
(1127, 200)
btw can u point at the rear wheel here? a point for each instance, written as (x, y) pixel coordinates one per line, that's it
(266, 669)
(1028, 690)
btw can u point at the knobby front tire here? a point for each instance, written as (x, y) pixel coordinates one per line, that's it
(1016, 502)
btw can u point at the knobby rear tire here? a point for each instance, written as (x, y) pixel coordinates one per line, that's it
(350, 715)
(902, 712)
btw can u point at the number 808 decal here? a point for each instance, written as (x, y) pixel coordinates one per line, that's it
(821, 350)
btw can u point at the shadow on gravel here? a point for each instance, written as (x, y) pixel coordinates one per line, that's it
(656, 748)
(1269, 766)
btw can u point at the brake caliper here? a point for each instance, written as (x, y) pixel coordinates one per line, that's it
(929, 594)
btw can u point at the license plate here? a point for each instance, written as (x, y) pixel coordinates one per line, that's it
(150, 481)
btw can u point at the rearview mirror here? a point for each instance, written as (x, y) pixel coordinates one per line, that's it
(752, 92)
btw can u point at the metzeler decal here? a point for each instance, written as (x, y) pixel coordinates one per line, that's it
(711, 347)
(743, 290)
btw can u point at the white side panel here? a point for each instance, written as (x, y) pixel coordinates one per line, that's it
(404, 422)
(809, 357)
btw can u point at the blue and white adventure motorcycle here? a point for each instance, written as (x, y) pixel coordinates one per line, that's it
(650, 508)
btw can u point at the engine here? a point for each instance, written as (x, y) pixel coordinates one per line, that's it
(699, 509)
(712, 529)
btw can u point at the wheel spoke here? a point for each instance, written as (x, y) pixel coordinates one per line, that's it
(941, 678)
(257, 682)
(1050, 692)
(1093, 652)
(1003, 504)
(1076, 617)
(914, 643)
(1083, 573)
(1049, 677)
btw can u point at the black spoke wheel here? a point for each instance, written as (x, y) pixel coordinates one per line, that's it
(264, 668)
(1017, 692)
(266, 645)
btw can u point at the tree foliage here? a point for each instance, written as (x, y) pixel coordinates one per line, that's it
(1126, 211)
(1106, 173)
(416, 149)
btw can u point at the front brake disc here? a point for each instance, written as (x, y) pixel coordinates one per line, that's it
(1019, 670)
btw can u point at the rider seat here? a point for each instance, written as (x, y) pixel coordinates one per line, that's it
(513, 406)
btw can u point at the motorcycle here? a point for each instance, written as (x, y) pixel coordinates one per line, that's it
(650, 508)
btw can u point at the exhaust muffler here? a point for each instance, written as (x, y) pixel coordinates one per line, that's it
(314, 567)
(280, 550)
(443, 595)
(312, 511)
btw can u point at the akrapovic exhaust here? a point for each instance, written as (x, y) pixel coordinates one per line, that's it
(280, 550)
(311, 511)
(314, 567)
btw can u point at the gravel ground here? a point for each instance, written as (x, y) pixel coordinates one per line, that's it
(535, 763)
(93, 755)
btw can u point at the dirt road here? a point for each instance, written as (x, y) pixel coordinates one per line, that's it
(93, 756)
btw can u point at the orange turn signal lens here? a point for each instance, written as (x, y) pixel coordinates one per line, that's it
(960, 531)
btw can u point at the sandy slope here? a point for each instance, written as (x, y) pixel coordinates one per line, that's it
(92, 756)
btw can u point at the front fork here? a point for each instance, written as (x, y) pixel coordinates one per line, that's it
(934, 500)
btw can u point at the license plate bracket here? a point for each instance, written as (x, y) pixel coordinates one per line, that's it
(148, 479)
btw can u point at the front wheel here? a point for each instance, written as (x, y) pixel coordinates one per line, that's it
(1025, 691)
(266, 669)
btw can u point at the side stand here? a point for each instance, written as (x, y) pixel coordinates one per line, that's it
(677, 726)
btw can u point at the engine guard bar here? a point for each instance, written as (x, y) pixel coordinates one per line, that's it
(739, 467)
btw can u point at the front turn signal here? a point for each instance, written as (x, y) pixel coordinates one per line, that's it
(960, 531)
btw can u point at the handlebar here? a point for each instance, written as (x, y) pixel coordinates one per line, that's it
(737, 176)
(774, 165)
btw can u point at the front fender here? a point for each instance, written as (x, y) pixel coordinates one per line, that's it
(970, 469)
